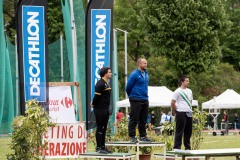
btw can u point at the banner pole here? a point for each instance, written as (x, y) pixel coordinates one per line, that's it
(79, 102)
(61, 52)
(125, 60)
(74, 47)
(17, 79)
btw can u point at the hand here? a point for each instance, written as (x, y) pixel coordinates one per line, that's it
(91, 105)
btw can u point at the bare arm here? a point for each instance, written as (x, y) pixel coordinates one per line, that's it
(173, 105)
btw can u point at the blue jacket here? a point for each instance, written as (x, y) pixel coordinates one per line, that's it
(137, 85)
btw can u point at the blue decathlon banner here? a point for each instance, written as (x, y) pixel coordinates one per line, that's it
(33, 38)
(100, 37)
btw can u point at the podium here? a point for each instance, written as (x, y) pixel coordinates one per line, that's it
(116, 156)
(137, 145)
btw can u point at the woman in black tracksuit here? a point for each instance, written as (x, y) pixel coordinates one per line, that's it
(101, 103)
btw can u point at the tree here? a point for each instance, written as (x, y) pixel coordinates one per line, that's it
(127, 17)
(54, 19)
(186, 32)
(212, 83)
(9, 18)
(231, 43)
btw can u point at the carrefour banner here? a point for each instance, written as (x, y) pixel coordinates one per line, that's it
(66, 140)
(32, 50)
(60, 105)
(98, 47)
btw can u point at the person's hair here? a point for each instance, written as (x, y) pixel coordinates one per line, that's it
(139, 61)
(103, 71)
(226, 111)
(119, 110)
(182, 79)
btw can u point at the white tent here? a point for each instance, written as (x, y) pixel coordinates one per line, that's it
(227, 100)
(158, 96)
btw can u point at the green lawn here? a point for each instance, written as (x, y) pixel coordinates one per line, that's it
(5, 148)
(216, 142)
(210, 142)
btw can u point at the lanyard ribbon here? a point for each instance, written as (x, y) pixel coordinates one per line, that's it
(185, 97)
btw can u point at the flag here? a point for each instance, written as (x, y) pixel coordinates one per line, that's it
(32, 46)
(98, 47)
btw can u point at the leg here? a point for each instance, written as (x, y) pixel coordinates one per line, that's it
(226, 128)
(207, 158)
(100, 116)
(105, 118)
(134, 117)
(180, 125)
(183, 157)
(143, 118)
(188, 133)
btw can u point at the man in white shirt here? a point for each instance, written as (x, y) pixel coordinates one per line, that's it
(182, 106)
(163, 118)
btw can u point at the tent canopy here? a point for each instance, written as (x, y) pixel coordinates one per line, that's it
(158, 96)
(227, 100)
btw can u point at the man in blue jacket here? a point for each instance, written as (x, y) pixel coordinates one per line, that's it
(137, 91)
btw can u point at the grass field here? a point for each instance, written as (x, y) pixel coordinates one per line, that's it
(209, 142)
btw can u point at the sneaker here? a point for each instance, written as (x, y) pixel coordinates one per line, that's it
(133, 139)
(105, 149)
(97, 149)
(145, 139)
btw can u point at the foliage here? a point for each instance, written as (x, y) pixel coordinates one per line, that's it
(199, 121)
(28, 132)
(214, 82)
(54, 19)
(153, 137)
(231, 42)
(127, 17)
(161, 73)
(187, 32)
(9, 18)
(166, 137)
(120, 135)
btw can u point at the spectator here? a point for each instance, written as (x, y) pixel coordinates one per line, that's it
(153, 118)
(236, 121)
(225, 120)
(148, 121)
(211, 120)
(163, 118)
(169, 117)
(119, 115)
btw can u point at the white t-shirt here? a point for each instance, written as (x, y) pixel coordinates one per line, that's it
(163, 118)
(182, 96)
